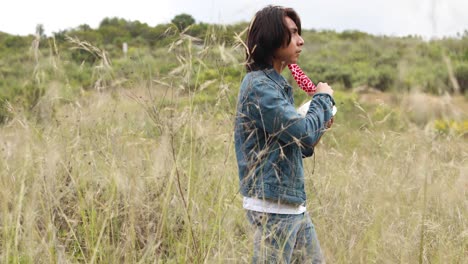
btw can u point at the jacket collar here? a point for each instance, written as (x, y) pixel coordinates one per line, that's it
(275, 76)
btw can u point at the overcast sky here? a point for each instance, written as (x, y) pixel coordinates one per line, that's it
(427, 18)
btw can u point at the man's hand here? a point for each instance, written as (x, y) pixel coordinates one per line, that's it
(324, 88)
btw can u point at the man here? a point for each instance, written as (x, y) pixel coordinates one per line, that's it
(271, 139)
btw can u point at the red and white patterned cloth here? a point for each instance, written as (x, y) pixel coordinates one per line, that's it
(302, 80)
(307, 85)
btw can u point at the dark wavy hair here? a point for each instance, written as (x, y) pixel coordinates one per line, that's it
(268, 32)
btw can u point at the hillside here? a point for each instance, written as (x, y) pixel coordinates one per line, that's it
(346, 60)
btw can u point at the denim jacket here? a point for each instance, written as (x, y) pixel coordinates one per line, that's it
(271, 138)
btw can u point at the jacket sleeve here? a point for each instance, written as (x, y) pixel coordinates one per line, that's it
(308, 152)
(278, 117)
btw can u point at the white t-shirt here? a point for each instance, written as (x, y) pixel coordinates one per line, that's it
(271, 207)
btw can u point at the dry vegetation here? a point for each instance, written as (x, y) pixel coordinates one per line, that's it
(148, 175)
(101, 182)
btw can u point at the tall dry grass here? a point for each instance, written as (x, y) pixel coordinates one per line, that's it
(147, 175)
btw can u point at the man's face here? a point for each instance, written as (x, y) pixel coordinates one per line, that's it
(290, 54)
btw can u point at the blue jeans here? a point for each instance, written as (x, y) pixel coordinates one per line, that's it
(283, 238)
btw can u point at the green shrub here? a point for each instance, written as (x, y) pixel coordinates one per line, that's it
(353, 35)
(382, 78)
(4, 113)
(79, 77)
(461, 73)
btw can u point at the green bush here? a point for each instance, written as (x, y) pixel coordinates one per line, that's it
(4, 113)
(79, 77)
(80, 56)
(382, 78)
(353, 35)
(461, 73)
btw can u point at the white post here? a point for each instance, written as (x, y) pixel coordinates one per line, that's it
(125, 49)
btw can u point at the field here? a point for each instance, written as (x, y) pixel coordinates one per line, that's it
(146, 173)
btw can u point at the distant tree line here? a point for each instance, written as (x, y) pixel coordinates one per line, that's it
(115, 31)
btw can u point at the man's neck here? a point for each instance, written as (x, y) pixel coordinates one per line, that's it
(279, 66)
